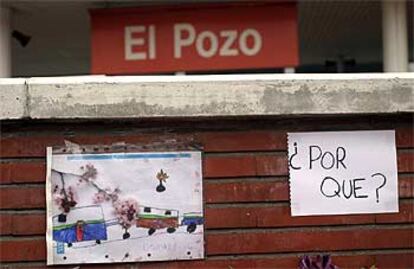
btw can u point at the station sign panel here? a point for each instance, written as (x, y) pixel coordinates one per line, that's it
(194, 38)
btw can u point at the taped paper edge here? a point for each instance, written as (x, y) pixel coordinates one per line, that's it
(289, 174)
(394, 137)
(49, 242)
(200, 155)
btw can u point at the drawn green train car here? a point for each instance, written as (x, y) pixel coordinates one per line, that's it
(157, 218)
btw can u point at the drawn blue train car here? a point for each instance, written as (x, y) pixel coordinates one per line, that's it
(191, 220)
(82, 224)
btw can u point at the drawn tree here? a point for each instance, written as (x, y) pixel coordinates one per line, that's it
(126, 212)
(65, 197)
(161, 177)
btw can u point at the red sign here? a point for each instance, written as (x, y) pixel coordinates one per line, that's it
(196, 38)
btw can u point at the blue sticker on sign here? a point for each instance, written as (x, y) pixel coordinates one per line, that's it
(60, 249)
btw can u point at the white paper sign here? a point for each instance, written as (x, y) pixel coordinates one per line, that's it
(334, 173)
(124, 207)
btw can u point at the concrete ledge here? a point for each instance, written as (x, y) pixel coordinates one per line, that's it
(101, 97)
(13, 99)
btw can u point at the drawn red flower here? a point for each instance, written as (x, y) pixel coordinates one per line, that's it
(99, 197)
(126, 211)
(89, 173)
(64, 198)
(105, 195)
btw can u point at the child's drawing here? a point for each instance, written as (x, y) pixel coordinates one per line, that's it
(106, 208)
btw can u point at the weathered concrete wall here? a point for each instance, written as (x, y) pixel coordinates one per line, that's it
(13, 102)
(100, 97)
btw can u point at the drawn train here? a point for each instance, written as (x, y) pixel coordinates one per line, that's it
(90, 225)
(158, 218)
(81, 224)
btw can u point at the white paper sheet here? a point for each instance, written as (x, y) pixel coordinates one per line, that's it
(129, 207)
(342, 172)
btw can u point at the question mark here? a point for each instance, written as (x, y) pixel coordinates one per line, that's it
(382, 185)
(293, 155)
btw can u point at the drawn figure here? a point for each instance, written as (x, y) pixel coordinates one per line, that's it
(157, 218)
(79, 230)
(191, 220)
(82, 224)
(162, 177)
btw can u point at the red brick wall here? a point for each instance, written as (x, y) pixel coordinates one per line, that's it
(248, 222)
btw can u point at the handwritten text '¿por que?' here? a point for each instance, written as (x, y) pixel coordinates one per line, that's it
(342, 172)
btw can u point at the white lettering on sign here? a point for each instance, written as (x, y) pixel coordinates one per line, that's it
(257, 42)
(207, 43)
(212, 38)
(132, 42)
(140, 42)
(179, 40)
(227, 49)
(343, 172)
